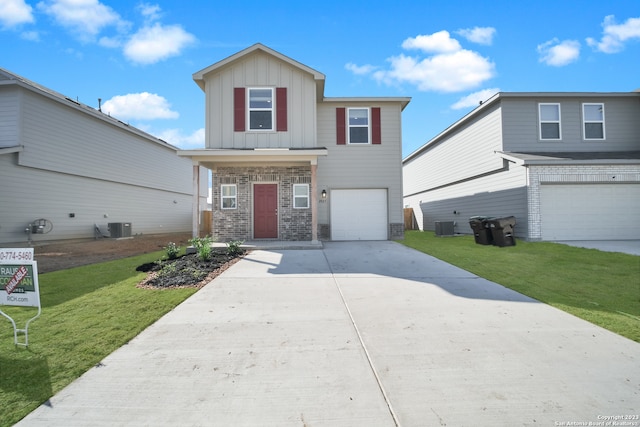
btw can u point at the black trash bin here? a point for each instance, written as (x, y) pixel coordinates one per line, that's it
(481, 230)
(502, 231)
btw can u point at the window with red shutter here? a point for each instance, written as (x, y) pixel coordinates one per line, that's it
(341, 127)
(281, 109)
(239, 112)
(376, 134)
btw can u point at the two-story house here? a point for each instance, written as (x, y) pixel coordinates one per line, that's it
(289, 163)
(566, 165)
(73, 167)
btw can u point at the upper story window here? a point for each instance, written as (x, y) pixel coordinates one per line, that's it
(549, 115)
(229, 196)
(358, 122)
(300, 196)
(261, 109)
(593, 121)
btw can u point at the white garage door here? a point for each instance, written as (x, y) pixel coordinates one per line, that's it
(359, 214)
(590, 212)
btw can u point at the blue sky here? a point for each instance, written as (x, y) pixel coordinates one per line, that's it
(138, 57)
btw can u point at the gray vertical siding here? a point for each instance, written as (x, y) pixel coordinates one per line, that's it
(261, 69)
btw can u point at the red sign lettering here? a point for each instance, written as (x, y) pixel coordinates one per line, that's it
(16, 279)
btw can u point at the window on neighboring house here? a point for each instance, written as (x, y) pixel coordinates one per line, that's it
(549, 121)
(261, 109)
(358, 120)
(229, 196)
(593, 119)
(300, 196)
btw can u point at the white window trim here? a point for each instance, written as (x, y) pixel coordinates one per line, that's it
(234, 197)
(272, 109)
(299, 197)
(584, 122)
(540, 121)
(368, 126)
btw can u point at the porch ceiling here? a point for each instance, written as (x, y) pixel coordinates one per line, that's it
(210, 157)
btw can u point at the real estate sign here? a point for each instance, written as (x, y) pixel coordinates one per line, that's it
(19, 278)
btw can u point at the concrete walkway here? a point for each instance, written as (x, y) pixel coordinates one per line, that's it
(356, 334)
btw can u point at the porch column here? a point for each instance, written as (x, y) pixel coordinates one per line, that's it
(314, 202)
(195, 205)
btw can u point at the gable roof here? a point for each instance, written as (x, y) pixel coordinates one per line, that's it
(8, 78)
(199, 76)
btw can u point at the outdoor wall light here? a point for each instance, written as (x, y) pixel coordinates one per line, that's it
(324, 194)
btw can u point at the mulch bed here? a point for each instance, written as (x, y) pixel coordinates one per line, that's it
(186, 271)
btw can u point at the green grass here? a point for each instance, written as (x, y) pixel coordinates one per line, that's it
(87, 313)
(600, 287)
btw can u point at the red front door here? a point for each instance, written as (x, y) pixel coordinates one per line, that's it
(265, 211)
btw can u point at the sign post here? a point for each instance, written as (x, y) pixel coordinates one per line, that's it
(19, 286)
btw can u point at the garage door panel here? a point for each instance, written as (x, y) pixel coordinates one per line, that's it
(359, 214)
(590, 211)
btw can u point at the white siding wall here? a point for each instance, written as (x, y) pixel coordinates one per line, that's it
(61, 139)
(465, 154)
(365, 166)
(257, 70)
(75, 163)
(28, 194)
(521, 133)
(9, 112)
(462, 174)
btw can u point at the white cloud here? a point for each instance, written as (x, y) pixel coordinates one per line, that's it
(480, 35)
(14, 13)
(557, 53)
(156, 43)
(451, 72)
(474, 99)
(360, 70)
(439, 42)
(177, 138)
(151, 12)
(139, 106)
(615, 35)
(449, 68)
(86, 18)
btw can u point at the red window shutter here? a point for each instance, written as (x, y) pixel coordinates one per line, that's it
(239, 114)
(281, 109)
(376, 135)
(341, 128)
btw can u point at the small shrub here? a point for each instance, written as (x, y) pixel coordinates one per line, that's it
(167, 269)
(203, 247)
(172, 250)
(233, 247)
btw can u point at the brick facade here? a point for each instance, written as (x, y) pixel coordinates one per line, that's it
(237, 224)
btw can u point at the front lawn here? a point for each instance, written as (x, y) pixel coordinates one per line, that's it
(87, 313)
(601, 287)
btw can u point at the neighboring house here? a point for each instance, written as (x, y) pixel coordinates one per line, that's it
(76, 167)
(290, 164)
(566, 165)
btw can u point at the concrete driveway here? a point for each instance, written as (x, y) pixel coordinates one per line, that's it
(356, 334)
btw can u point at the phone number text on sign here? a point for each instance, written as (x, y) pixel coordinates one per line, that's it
(16, 254)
